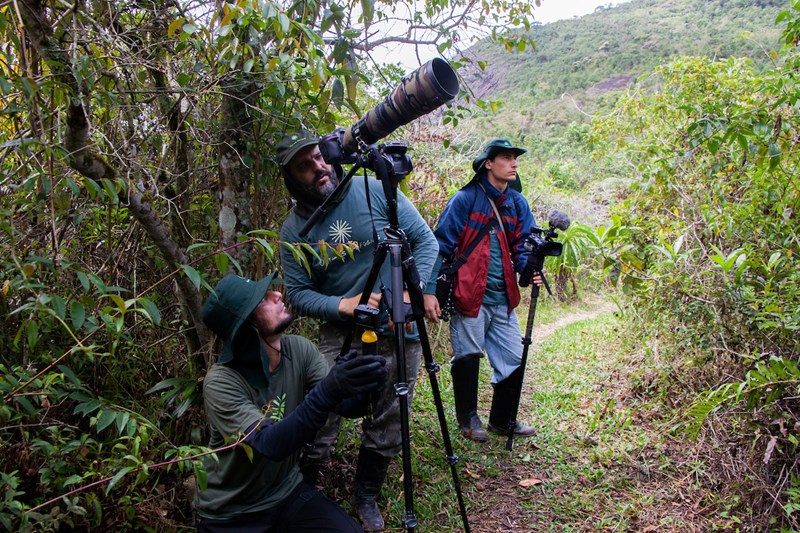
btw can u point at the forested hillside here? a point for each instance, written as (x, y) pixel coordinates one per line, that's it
(548, 96)
(613, 46)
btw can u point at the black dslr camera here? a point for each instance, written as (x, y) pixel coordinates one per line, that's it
(332, 148)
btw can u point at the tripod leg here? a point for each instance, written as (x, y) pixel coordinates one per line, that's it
(432, 367)
(512, 425)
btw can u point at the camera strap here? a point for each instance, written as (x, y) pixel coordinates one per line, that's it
(369, 208)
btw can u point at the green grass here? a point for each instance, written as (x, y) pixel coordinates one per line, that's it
(601, 458)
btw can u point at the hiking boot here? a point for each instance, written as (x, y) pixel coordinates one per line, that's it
(370, 473)
(465, 372)
(368, 513)
(520, 430)
(473, 430)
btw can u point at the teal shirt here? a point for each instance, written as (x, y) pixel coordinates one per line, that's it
(235, 483)
(317, 294)
(495, 284)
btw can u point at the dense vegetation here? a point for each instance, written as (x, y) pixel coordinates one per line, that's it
(134, 174)
(136, 143)
(709, 253)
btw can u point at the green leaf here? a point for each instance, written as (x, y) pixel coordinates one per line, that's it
(298, 256)
(106, 418)
(149, 309)
(774, 155)
(193, 275)
(26, 404)
(337, 93)
(122, 421)
(59, 307)
(77, 314)
(67, 371)
(221, 262)
(200, 475)
(119, 475)
(368, 11)
(165, 384)
(247, 450)
(33, 334)
(71, 480)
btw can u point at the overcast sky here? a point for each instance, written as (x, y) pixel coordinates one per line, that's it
(549, 11)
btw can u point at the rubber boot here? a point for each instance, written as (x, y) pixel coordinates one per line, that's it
(505, 395)
(370, 473)
(466, 372)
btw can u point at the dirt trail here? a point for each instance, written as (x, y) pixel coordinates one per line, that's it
(542, 331)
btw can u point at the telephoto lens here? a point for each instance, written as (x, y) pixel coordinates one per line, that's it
(431, 85)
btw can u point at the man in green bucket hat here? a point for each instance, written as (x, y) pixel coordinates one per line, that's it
(330, 292)
(256, 392)
(481, 232)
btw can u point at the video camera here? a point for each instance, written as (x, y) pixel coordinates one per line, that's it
(540, 244)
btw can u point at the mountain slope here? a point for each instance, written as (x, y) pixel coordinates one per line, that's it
(615, 45)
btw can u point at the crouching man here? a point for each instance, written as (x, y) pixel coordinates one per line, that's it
(277, 391)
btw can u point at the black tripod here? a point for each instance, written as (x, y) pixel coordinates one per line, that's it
(403, 276)
(526, 343)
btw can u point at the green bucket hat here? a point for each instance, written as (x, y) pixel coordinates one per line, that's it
(293, 143)
(492, 148)
(229, 307)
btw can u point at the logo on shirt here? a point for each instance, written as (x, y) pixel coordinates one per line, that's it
(340, 232)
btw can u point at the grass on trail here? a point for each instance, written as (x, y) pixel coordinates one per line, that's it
(602, 458)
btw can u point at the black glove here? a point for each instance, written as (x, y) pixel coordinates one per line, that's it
(354, 374)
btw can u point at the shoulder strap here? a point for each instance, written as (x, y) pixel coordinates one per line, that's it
(494, 208)
(463, 256)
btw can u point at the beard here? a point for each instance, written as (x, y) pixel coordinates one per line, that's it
(284, 324)
(320, 193)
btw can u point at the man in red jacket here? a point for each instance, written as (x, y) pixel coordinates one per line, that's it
(486, 292)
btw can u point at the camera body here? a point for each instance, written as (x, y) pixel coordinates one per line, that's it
(395, 154)
(540, 244)
(332, 149)
(399, 160)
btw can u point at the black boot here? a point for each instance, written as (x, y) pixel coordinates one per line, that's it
(466, 374)
(370, 473)
(505, 395)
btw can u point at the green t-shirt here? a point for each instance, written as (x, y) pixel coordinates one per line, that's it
(235, 483)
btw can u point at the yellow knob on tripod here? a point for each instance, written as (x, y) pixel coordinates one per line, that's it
(369, 341)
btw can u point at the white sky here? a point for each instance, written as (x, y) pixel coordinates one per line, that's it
(548, 11)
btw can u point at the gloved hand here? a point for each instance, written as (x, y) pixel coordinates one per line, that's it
(354, 374)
